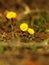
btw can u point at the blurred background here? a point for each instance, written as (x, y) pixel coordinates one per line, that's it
(18, 47)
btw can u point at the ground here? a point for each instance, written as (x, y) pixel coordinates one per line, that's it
(20, 48)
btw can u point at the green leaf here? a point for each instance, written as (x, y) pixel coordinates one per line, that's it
(1, 49)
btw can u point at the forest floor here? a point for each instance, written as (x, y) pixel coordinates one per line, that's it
(14, 52)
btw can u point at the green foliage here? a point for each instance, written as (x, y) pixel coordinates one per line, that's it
(1, 49)
(41, 21)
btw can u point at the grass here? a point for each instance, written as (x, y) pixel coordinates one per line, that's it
(9, 29)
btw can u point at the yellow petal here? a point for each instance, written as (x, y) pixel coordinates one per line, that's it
(24, 26)
(11, 14)
(31, 31)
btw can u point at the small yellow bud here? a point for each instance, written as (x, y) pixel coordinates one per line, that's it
(31, 31)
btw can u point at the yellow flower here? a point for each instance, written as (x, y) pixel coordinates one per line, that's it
(24, 26)
(11, 14)
(31, 31)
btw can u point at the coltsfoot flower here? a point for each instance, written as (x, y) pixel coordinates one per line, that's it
(24, 26)
(11, 14)
(31, 31)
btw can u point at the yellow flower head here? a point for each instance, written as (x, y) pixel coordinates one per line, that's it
(31, 31)
(24, 26)
(11, 14)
